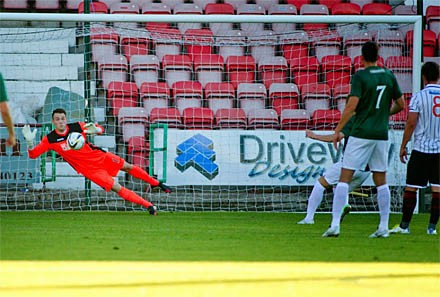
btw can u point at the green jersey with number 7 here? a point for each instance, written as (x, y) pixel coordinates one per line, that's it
(375, 87)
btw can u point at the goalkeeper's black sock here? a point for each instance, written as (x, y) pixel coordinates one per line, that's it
(139, 173)
(435, 208)
(133, 197)
(409, 204)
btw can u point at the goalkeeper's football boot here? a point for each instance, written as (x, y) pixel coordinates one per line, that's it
(152, 210)
(164, 187)
(380, 233)
(345, 211)
(431, 231)
(306, 222)
(399, 230)
(331, 232)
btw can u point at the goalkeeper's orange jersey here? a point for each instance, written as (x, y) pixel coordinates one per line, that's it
(84, 160)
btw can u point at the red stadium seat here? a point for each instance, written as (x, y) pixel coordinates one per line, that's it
(144, 69)
(138, 152)
(330, 4)
(230, 118)
(188, 8)
(198, 118)
(315, 96)
(283, 9)
(429, 42)
(251, 96)
(176, 68)
(112, 68)
(283, 96)
(402, 69)
(154, 94)
(240, 69)
(135, 46)
(166, 115)
(263, 119)
(133, 122)
(187, 94)
(273, 70)
(198, 42)
(340, 95)
(219, 95)
(156, 8)
(121, 94)
(294, 45)
(95, 7)
(294, 119)
(358, 64)
(377, 9)
(336, 69)
(209, 68)
(326, 119)
(433, 18)
(345, 9)
(314, 9)
(219, 8)
(304, 70)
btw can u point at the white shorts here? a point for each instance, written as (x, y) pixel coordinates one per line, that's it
(361, 152)
(332, 174)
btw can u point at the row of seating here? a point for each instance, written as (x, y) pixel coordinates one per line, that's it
(333, 70)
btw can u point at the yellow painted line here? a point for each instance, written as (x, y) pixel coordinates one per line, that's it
(214, 279)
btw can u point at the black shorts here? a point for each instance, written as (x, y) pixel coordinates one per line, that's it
(423, 168)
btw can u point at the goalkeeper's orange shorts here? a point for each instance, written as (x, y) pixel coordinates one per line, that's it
(103, 177)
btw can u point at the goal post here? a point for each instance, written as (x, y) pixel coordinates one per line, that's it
(249, 166)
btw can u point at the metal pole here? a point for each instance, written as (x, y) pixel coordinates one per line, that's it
(87, 77)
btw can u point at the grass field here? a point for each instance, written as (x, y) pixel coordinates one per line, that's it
(211, 254)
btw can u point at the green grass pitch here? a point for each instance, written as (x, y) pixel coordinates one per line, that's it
(207, 236)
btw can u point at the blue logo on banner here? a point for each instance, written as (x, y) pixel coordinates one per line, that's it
(197, 152)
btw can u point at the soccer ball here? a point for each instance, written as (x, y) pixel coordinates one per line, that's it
(75, 140)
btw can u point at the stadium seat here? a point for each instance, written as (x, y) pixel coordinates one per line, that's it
(71, 5)
(266, 4)
(230, 43)
(198, 42)
(405, 10)
(219, 8)
(325, 43)
(398, 120)
(283, 9)
(433, 18)
(138, 152)
(336, 69)
(144, 68)
(198, 118)
(340, 96)
(272, 70)
(113, 68)
(156, 8)
(361, 3)
(166, 115)
(203, 3)
(166, 42)
(377, 9)
(176, 68)
(429, 42)
(390, 42)
(304, 70)
(188, 8)
(262, 119)
(315, 96)
(358, 64)
(187, 94)
(251, 9)
(172, 4)
(326, 119)
(104, 42)
(124, 8)
(330, 4)
(283, 96)
(235, 3)
(294, 45)
(135, 45)
(209, 68)
(219, 95)
(251, 96)
(294, 119)
(47, 5)
(154, 94)
(95, 7)
(121, 94)
(240, 69)
(299, 3)
(353, 43)
(230, 118)
(314, 9)
(16, 5)
(133, 122)
(346, 29)
(262, 45)
(402, 69)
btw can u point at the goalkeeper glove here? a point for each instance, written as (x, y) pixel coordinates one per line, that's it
(91, 128)
(164, 187)
(29, 135)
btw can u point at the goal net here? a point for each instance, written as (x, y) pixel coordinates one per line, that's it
(217, 109)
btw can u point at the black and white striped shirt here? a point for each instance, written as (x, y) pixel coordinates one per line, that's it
(427, 131)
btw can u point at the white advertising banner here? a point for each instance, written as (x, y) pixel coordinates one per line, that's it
(255, 157)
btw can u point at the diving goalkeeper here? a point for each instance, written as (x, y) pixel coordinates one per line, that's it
(90, 161)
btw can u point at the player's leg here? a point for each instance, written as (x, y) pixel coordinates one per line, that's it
(416, 178)
(340, 198)
(141, 174)
(378, 165)
(131, 196)
(315, 200)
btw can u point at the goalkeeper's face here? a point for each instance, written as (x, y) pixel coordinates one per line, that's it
(60, 121)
